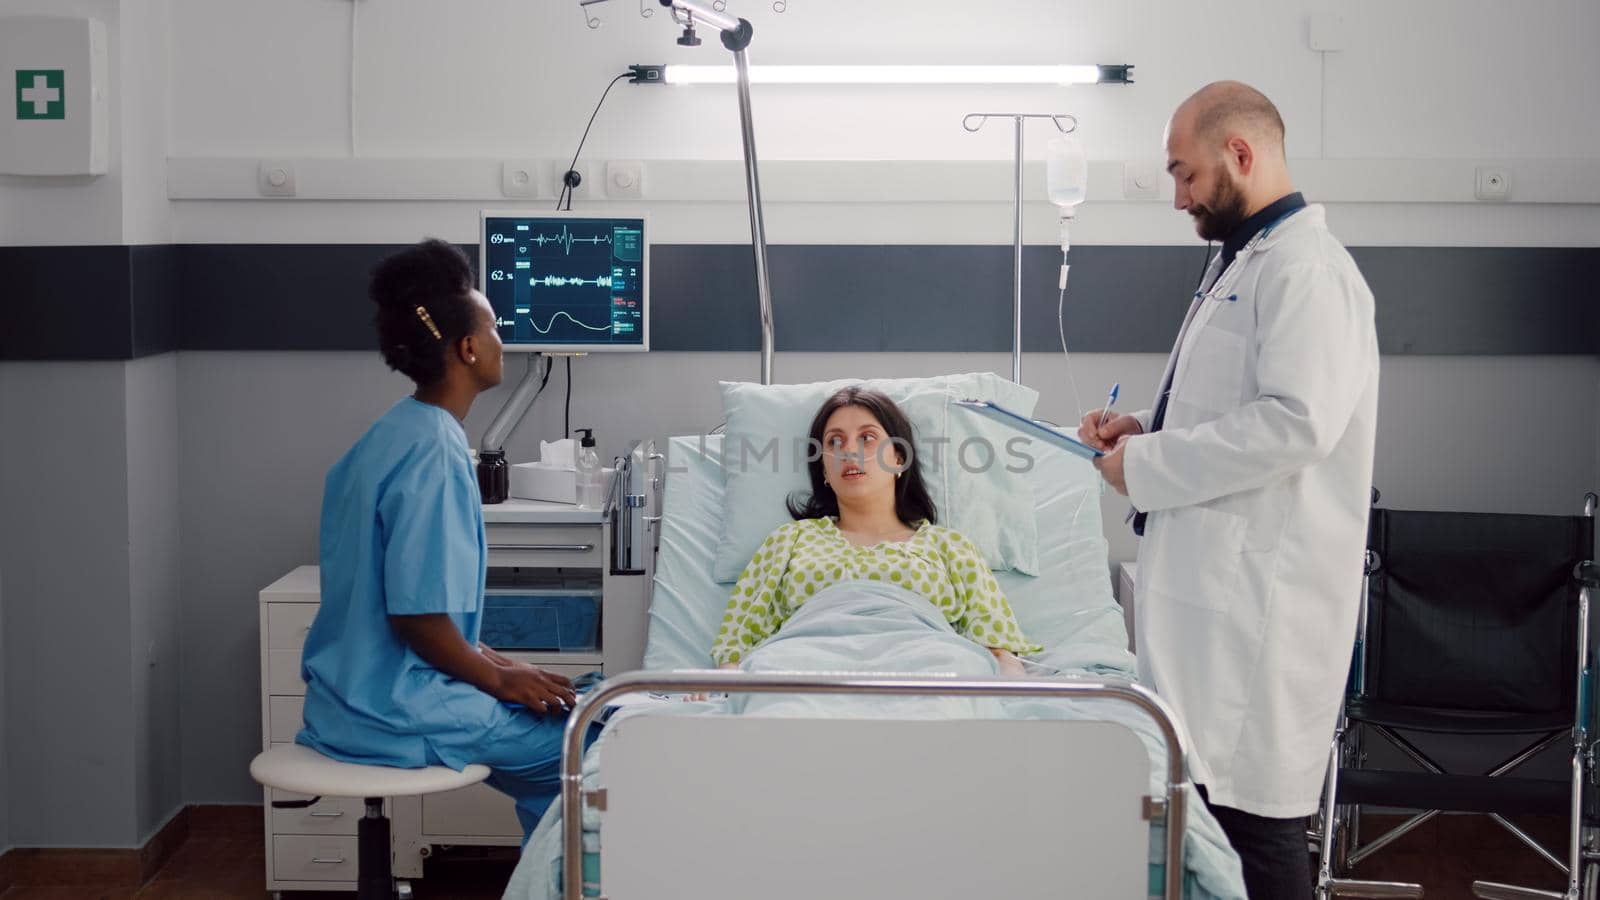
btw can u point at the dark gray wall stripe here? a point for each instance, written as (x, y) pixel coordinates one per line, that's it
(703, 298)
(123, 302)
(276, 296)
(1504, 300)
(153, 299)
(65, 303)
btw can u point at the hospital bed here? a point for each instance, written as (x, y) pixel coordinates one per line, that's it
(1068, 786)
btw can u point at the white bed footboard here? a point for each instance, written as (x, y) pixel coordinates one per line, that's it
(713, 807)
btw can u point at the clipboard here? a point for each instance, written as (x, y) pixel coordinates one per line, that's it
(1029, 427)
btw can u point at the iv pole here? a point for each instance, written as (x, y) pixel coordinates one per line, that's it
(736, 34)
(973, 122)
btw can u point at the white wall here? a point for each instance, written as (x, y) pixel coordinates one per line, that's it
(146, 83)
(155, 606)
(258, 432)
(89, 695)
(1426, 80)
(64, 552)
(88, 504)
(5, 778)
(1422, 79)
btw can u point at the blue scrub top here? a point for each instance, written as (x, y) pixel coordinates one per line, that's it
(402, 534)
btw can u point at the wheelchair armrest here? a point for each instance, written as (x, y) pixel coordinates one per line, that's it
(1586, 574)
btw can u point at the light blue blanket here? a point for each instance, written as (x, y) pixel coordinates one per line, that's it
(869, 626)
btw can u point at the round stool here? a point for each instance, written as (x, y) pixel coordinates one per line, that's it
(301, 770)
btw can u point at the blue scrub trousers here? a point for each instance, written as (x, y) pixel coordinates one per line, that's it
(524, 758)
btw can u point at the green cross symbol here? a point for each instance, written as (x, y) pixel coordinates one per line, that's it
(40, 94)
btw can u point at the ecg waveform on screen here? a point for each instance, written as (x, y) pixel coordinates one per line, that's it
(564, 281)
(555, 282)
(566, 239)
(563, 314)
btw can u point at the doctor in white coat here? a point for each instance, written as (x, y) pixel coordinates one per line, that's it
(1251, 477)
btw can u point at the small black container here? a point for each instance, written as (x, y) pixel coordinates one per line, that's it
(494, 476)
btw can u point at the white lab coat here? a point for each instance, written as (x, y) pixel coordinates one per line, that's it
(1258, 488)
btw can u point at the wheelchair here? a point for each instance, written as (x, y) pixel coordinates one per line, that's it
(1471, 625)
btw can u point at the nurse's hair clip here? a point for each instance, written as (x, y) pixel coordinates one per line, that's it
(422, 313)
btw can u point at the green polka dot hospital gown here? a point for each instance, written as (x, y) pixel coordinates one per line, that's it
(801, 558)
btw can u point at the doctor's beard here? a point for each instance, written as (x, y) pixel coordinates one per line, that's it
(1215, 220)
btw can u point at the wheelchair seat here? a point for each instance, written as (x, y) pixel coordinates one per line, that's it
(1456, 793)
(1455, 721)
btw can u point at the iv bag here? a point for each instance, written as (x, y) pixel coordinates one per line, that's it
(1066, 173)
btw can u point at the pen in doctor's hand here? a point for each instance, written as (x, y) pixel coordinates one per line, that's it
(1110, 401)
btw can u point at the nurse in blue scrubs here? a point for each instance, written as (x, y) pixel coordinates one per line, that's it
(394, 671)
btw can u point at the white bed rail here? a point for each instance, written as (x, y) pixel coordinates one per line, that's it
(1173, 810)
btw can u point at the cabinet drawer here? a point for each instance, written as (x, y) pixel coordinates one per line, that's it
(571, 670)
(330, 815)
(283, 673)
(285, 717)
(537, 546)
(287, 624)
(298, 857)
(476, 810)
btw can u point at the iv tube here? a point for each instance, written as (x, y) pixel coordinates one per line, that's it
(1067, 183)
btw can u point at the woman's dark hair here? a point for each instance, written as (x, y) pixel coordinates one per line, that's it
(437, 277)
(911, 501)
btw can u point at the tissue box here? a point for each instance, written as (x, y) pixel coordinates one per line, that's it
(543, 481)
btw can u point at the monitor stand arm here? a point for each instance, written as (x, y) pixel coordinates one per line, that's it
(517, 405)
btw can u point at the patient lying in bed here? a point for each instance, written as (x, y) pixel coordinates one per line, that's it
(868, 517)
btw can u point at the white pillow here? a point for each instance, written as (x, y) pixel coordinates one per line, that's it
(964, 460)
(1068, 608)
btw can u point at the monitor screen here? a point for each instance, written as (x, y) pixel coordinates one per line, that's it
(560, 282)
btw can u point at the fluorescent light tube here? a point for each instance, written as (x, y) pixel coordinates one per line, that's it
(677, 74)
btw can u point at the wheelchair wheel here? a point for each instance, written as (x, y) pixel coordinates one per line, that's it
(1591, 881)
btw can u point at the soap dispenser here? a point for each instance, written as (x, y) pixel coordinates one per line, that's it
(591, 486)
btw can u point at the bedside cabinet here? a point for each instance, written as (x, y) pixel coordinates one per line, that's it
(556, 597)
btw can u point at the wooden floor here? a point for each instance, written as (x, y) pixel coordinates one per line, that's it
(1448, 853)
(227, 861)
(222, 863)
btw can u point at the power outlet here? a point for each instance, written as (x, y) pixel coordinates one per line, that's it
(524, 178)
(1494, 183)
(275, 179)
(586, 188)
(1141, 180)
(625, 180)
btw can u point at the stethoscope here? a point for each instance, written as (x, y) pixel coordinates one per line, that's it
(1215, 292)
(1230, 275)
(1220, 289)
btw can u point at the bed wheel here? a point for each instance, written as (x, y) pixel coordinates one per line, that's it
(402, 890)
